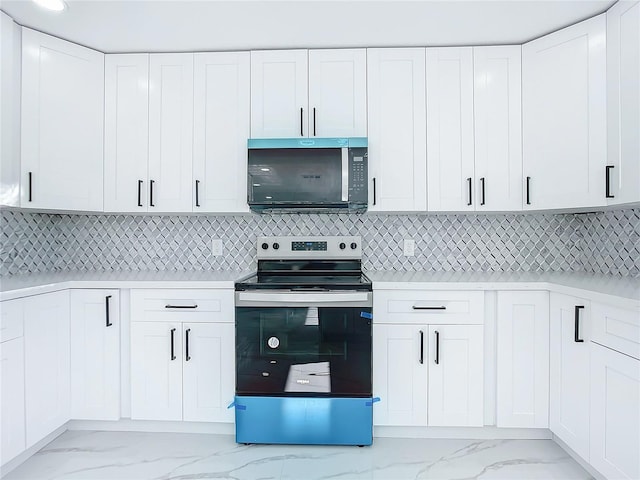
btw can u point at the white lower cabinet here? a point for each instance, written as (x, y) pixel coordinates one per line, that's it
(569, 371)
(615, 413)
(46, 345)
(522, 396)
(95, 354)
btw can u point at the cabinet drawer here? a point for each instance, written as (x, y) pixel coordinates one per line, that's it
(616, 328)
(182, 305)
(11, 319)
(432, 307)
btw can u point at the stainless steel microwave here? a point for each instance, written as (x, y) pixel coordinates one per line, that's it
(307, 174)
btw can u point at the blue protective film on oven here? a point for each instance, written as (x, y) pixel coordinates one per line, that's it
(366, 315)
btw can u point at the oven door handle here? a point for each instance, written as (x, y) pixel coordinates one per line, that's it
(303, 297)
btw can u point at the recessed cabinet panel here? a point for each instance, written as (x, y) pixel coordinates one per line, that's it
(397, 129)
(12, 414)
(221, 129)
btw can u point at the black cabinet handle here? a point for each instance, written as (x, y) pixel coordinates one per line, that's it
(139, 193)
(151, 182)
(441, 307)
(186, 345)
(30, 186)
(197, 193)
(482, 191)
(576, 331)
(106, 305)
(181, 306)
(374, 190)
(528, 183)
(607, 186)
(421, 347)
(437, 347)
(314, 121)
(301, 123)
(173, 332)
(469, 202)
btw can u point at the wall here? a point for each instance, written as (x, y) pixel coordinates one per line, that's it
(599, 243)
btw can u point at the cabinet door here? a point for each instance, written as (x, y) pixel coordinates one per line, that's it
(397, 129)
(221, 129)
(615, 415)
(569, 373)
(10, 45)
(95, 354)
(450, 154)
(400, 374)
(170, 132)
(456, 376)
(279, 94)
(46, 354)
(338, 93)
(208, 371)
(523, 359)
(623, 101)
(498, 128)
(564, 116)
(156, 371)
(12, 399)
(62, 122)
(126, 133)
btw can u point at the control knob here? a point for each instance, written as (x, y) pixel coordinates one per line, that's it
(354, 245)
(265, 246)
(276, 246)
(342, 246)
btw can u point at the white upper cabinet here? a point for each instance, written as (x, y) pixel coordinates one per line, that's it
(564, 117)
(338, 93)
(498, 128)
(450, 157)
(279, 94)
(397, 129)
(62, 124)
(623, 101)
(221, 129)
(10, 45)
(126, 133)
(170, 132)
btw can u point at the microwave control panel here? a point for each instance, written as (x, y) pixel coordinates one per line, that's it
(358, 175)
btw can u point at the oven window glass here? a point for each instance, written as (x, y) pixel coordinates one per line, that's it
(303, 351)
(295, 175)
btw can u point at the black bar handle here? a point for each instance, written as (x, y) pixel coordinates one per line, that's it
(301, 122)
(469, 202)
(30, 186)
(437, 347)
(441, 307)
(314, 121)
(421, 347)
(576, 331)
(482, 191)
(528, 184)
(139, 193)
(607, 186)
(197, 193)
(186, 345)
(151, 182)
(374, 190)
(181, 306)
(106, 305)
(173, 332)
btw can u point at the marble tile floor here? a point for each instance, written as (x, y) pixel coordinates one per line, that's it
(177, 456)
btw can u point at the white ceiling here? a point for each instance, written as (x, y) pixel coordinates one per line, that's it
(186, 25)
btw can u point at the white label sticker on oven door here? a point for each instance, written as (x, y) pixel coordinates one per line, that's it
(273, 342)
(312, 317)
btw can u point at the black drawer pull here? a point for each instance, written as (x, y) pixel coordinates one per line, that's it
(181, 306)
(576, 328)
(421, 347)
(437, 347)
(106, 302)
(186, 344)
(441, 307)
(607, 186)
(173, 355)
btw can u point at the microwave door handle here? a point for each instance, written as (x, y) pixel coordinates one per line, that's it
(345, 174)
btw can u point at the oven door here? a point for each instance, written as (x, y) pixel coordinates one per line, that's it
(303, 351)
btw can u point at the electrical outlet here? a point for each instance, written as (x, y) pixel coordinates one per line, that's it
(216, 247)
(409, 249)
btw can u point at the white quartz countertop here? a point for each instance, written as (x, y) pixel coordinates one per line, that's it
(600, 287)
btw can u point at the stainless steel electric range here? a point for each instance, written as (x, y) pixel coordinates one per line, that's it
(303, 344)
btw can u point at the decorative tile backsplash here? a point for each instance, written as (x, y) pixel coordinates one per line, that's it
(601, 242)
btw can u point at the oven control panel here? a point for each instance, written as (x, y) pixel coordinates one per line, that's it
(334, 247)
